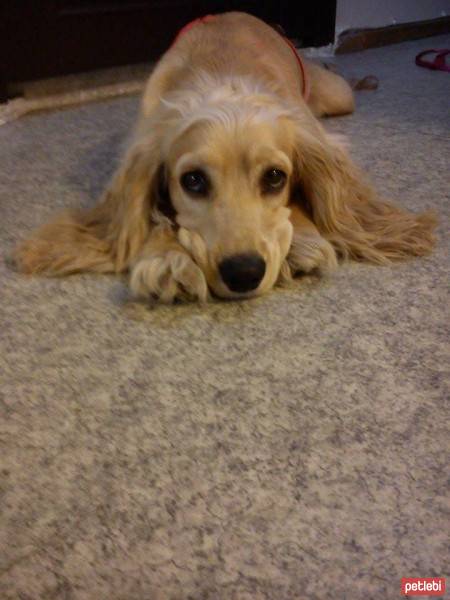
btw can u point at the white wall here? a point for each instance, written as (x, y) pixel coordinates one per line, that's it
(354, 14)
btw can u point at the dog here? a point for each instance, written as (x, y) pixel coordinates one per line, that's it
(230, 184)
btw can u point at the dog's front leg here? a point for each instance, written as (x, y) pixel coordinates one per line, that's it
(166, 271)
(309, 250)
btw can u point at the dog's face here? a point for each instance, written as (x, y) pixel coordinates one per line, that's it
(229, 183)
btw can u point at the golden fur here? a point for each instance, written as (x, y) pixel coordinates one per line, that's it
(233, 112)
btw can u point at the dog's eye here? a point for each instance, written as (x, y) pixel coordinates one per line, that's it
(273, 180)
(195, 182)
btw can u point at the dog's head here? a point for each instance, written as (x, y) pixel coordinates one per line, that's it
(221, 165)
(228, 175)
(225, 174)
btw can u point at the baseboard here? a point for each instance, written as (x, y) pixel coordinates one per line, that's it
(353, 40)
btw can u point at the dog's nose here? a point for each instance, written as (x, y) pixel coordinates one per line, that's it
(242, 272)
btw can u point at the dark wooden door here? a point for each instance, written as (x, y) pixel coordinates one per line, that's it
(46, 38)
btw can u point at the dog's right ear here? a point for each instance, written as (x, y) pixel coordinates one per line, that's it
(163, 209)
(108, 237)
(129, 201)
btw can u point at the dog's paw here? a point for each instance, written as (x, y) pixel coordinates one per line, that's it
(193, 243)
(168, 277)
(285, 236)
(310, 252)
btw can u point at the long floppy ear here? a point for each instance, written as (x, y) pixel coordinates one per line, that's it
(347, 210)
(107, 237)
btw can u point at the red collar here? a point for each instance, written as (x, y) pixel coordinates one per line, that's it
(306, 87)
(192, 24)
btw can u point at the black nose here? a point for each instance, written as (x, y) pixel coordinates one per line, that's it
(243, 272)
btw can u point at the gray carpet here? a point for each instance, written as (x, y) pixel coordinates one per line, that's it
(287, 448)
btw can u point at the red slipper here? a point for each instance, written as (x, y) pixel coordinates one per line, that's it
(438, 64)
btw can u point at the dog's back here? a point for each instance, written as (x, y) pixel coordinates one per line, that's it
(238, 44)
(231, 44)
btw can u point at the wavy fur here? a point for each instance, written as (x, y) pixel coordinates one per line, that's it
(127, 227)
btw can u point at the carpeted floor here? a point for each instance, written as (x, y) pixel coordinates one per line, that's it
(294, 447)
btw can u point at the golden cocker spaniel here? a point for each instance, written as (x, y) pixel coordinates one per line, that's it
(231, 183)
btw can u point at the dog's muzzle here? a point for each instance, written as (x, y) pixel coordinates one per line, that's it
(242, 272)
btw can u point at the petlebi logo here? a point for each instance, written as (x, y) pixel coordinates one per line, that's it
(423, 586)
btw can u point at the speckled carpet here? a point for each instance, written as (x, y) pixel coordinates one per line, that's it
(294, 447)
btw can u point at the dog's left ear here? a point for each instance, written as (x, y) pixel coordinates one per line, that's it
(345, 207)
